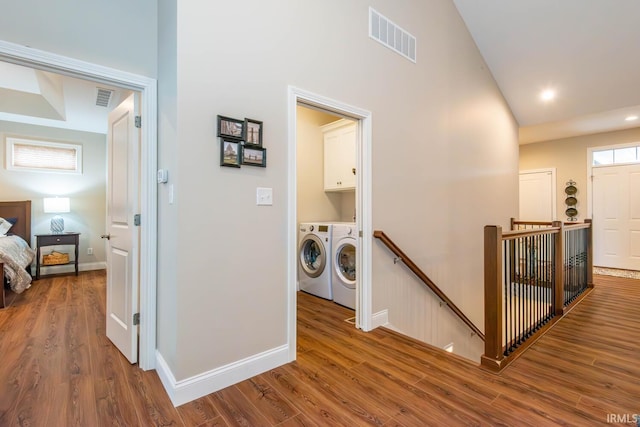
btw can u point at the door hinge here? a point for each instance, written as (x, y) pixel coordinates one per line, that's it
(136, 319)
(138, 121)
(136, 220)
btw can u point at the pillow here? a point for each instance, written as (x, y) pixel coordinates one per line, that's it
(4, 226)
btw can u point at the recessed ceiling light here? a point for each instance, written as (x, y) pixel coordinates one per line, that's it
(548, 94)
(631, 118)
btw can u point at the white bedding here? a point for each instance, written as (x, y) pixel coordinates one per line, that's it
(16, 254)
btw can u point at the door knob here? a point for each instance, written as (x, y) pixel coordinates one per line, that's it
(106, 236)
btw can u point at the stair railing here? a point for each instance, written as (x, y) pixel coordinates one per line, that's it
(533, 277)
(401, 256)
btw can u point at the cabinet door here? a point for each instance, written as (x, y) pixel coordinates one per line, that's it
(340, 159)
(348, 158)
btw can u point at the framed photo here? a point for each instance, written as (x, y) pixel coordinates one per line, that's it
(252, 132)
(230, 128)
(254, 156)
(230, 150)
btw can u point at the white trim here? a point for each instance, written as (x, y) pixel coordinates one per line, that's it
(380, 318)
(363, 206)
(29, 57)
(554, 185)
(183, 391)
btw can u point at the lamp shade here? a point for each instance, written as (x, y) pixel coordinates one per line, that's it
(56, 205)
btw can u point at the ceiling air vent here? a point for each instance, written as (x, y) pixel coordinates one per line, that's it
(383, 30)
(103, 96)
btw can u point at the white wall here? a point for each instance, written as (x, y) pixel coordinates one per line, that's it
(314, 204)
(569, 157)
(445, 162)
(121, 34)
(87, 192)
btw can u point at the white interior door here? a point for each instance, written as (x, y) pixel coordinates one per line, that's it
(537, 195)
(123, 144)
(616, 216)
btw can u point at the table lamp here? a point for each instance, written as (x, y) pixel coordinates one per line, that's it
(56, 205)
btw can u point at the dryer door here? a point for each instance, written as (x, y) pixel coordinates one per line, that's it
(345, 263)
(313, 256)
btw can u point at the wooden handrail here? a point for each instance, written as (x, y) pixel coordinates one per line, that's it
(426, 280)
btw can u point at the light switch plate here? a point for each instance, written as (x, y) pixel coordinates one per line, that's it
(264, 196)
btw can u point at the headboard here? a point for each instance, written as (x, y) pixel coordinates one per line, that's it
(22, 211)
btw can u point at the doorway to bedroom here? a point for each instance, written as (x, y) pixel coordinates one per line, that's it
(87, 192)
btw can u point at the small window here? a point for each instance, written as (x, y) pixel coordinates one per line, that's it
(625, 155)
(616, 156)
(43, 156)
(603, 157)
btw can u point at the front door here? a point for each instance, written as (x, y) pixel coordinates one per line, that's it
(123, 145)
(616, 216)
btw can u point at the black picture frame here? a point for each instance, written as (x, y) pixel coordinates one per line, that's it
(230, 128)
(252, 133)
(254, 156)
(230, 152)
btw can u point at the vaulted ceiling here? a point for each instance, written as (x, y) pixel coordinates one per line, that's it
(588, 51)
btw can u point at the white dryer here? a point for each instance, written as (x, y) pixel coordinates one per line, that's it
(344, 243)
(314, 259)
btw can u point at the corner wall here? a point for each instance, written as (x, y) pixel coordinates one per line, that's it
(444, 165)
(314, 204)
(119, 33)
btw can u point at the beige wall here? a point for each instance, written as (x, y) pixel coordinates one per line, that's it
(444, 162)
(87, 191)
(569, 157)
(314, 204)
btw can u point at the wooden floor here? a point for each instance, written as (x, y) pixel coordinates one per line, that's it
(58, 369)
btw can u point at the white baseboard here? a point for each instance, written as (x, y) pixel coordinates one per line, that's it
(70, 268)
(183, 391)
(380, 318)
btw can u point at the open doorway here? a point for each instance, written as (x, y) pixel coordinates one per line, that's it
(53, 63)
(326, 205)
(317, 204)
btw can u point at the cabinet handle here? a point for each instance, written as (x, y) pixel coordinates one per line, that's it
(106, 236)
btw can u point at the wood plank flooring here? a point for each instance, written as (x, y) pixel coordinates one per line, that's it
(58, 369)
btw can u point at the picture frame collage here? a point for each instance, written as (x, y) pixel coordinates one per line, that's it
(241, 142)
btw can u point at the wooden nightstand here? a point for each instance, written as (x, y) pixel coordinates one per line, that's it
(57, 240)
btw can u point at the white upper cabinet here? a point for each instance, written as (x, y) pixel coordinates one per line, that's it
(340, 155)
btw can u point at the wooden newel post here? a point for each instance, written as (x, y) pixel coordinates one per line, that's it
(589, 253)
(558, 265)
(493, 354)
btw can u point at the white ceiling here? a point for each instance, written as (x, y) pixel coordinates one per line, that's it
(587, 50)
(74, 98)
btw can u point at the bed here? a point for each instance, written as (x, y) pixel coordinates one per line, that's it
(16, 254)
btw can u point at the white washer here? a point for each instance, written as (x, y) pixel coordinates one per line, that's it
(344, 245)
(314, 259)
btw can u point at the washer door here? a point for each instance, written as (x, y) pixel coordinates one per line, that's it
(345, 263)
(313, 256)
